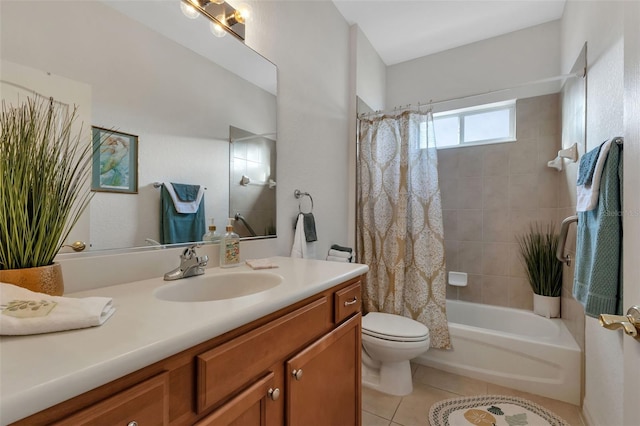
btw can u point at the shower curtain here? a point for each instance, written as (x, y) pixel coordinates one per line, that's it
(399, 214)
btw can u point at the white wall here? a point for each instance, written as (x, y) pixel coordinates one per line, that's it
(600, 24)
(371, 73)
(500, 62)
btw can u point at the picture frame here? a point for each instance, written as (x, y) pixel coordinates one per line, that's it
(115, 161)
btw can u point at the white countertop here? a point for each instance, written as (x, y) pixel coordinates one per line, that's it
(39, 371)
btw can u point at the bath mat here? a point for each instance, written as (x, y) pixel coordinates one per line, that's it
(489, 410)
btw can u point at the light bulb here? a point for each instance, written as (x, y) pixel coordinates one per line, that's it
(189, 11)
(217, 29)
(243, 13)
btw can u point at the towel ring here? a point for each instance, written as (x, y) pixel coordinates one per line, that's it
(299, 194)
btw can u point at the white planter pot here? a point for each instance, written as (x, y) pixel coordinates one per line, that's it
(546, 306)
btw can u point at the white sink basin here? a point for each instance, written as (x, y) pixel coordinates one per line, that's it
(223, 286)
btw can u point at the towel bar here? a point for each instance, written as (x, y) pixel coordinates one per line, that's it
(564, 230)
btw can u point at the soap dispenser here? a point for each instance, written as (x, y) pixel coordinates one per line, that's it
(230, 247)
(212, 234)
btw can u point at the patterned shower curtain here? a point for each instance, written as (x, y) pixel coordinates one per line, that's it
(399, 214)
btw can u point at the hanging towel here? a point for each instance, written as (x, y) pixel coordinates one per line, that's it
(176, 227)
(186, 198)
(588, 166)
(310, 227)
(301, 248)
(597, 283)
(23, 311)
(587, 194)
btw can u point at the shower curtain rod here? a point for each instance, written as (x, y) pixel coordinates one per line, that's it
(441, 101)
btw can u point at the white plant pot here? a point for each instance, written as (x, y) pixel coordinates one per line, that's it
(546, 306)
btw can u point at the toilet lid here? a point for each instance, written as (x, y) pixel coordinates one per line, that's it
(393, 327)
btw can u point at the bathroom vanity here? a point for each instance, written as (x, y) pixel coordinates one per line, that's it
(287, 355)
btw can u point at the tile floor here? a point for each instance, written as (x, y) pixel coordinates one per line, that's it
(430, 386)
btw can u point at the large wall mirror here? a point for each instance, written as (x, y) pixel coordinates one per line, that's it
(192, 100)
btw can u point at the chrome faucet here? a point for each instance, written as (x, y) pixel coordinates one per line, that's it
(190, 265)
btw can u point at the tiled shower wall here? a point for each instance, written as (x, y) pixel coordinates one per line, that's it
(490, 194)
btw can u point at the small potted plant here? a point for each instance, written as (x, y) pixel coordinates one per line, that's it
(538, 254)
(43, 187)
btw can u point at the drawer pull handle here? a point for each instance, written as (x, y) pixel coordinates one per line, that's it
(297, 374)
(351, 302)
(274, 394)
(132, 423)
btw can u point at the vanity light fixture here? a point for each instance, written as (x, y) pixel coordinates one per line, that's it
(224, 17)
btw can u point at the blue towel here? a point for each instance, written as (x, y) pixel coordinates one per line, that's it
(588, 165)
(186, 192)
(597, 283)
(180, 227)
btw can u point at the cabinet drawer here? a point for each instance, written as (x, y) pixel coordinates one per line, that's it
(227, 368)
(348, 301)
(146, 403)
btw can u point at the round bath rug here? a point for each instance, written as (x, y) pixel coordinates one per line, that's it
(491, 410)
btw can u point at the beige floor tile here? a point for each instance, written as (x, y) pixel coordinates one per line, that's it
(569, 412)
(414, 409)
(369, 419)
(450, 382)
(380, 404)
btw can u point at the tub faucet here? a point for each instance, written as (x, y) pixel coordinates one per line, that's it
(190, 265)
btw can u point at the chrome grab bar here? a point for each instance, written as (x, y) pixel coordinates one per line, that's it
(241, 218)
(564, 230)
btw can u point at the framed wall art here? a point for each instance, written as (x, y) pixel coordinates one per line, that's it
(115, 161)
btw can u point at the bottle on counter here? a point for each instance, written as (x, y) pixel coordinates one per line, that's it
(229, 247)
(212, 234)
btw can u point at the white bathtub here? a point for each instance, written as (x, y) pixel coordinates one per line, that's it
(510, 347)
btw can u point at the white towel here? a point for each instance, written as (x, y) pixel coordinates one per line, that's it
(587, 195)
(301, 248)
(338, 253)
(261, 263)
(185, 207)
(23, 311)
(337, 259)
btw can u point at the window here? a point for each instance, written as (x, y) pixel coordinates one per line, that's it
(490, 123)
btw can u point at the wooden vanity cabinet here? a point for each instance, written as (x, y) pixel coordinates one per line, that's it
(297, 366)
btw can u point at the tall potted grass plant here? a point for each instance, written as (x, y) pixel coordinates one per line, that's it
(43, 187)
(538, 254)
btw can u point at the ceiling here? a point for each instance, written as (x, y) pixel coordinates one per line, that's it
(402, 30)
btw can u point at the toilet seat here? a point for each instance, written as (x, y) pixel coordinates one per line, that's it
(393, 328)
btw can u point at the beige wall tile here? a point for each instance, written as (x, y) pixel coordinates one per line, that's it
(520, 293)
(469, 193)
(495, 226)
(470, 225)
(495, 192)
(496, 160)
(449, 193)
(523, 158)
(495, 290)
(523, 191)
(451, 254)
(470, 257)
(473, 291)
(450, 224)
(495, 259)
(470, 162)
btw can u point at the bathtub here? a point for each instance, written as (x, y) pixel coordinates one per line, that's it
(510, 347)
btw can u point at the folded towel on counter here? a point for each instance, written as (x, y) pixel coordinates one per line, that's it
(186, 198)
(337, 259)
(341, 248)
(310, 227)
(587, 194)
(261, 263)
(301, 248)
(26, 312)
(338, 253)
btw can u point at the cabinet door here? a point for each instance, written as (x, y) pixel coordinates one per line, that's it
(248, 408)
(323, 381)
(146, 403)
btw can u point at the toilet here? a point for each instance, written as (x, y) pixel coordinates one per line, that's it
(389, 342)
